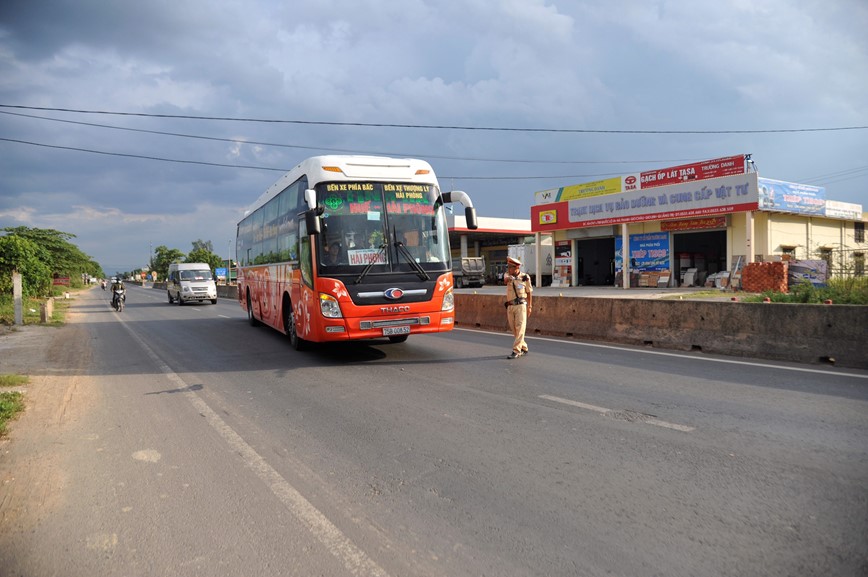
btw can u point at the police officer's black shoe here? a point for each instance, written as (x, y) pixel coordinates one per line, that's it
(524, 352)
(514, 355)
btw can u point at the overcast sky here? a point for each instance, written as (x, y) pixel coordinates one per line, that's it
(718, 68)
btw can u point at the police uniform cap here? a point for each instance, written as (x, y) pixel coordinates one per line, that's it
(513, 260)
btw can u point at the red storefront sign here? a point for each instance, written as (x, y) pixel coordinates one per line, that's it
(696, 171)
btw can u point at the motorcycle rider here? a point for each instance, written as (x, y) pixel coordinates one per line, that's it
(118, 291)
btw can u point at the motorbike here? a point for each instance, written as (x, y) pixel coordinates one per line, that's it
(119, 296)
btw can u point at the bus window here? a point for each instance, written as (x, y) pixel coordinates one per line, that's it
(305, 262)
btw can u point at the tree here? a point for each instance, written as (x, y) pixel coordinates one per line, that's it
(61, 256)
(206, 256)
(163, 257)
(203, 245)
(29, 259)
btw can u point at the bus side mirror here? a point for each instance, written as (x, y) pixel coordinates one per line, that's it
(469, 210)
(312, 220)
(470, 217)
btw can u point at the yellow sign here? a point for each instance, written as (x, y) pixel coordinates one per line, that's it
(548, 216)
(596, 188)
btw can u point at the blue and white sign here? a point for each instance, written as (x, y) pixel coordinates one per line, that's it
(648, 252)
(791, 197)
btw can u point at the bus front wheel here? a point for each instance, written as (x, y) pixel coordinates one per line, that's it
(289, 328)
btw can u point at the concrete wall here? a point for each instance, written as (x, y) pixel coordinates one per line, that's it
(788, 332)
(223, 291)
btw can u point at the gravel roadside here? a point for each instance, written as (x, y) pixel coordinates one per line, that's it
(34, 453)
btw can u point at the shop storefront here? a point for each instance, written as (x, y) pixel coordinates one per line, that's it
(690, 225)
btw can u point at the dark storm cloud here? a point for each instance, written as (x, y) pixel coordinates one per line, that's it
(624, 65)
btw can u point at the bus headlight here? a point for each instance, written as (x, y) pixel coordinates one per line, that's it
(448, 301)
(329, 306)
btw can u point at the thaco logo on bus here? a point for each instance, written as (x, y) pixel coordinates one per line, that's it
(393, 293)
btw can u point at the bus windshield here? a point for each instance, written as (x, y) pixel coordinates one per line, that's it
(372, 227)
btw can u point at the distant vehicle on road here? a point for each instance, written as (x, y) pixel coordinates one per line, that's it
(469, 271)
(191, 281)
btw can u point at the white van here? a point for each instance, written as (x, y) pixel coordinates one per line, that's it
(191, 281)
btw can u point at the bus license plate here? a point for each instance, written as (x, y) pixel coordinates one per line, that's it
(396, 331)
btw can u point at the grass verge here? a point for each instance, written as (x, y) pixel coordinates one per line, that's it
(30, 309)
(11, 402)
(840, 291)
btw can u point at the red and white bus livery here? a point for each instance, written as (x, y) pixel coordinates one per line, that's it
(349, 247)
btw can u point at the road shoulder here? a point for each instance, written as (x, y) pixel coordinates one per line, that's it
(35, 452)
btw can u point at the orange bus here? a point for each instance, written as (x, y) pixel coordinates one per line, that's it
(349, 247)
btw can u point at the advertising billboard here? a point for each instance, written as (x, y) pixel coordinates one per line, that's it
(703, 170)
(781, 196)
(648, 252)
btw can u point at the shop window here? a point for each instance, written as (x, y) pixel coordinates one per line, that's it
(860, 232)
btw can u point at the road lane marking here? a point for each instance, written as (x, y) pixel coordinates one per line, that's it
(610, 412)
(694, 357)
(354, 559)
(660, 423)
(576, 404)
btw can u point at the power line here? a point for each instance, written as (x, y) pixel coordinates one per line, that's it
(825, 179)
(343, 150)
(835, 177)
(431, 126)
(223, 165)
(142, 156)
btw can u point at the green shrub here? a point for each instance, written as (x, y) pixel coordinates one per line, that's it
(841, 291)
(11, 403)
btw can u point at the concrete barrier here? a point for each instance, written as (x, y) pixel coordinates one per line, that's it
(46, 310)
(223, 291)
(800, 333)
(813, 334)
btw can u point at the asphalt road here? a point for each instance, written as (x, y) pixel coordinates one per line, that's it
(209, 447)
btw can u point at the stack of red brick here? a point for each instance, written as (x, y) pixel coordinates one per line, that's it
(760, 277)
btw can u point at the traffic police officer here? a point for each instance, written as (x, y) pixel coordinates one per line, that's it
(519, 292)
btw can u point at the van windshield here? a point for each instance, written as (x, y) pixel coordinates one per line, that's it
(195, 274)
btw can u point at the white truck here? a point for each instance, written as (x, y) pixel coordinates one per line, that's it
(526, 253)
(468, 271)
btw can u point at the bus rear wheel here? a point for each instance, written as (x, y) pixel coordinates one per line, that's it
(251, 319)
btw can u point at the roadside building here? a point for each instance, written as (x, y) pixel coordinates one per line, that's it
(491, 240)
(694, 224)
